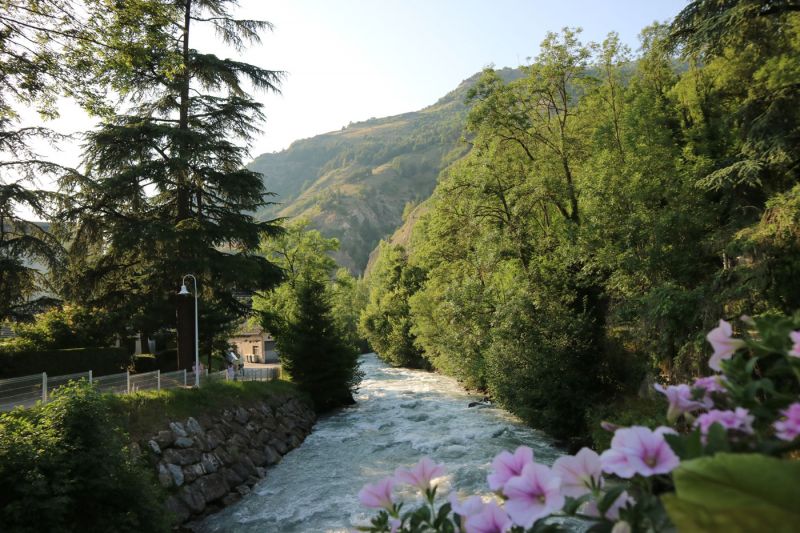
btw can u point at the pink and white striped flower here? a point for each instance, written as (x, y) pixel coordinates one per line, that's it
(639, 450)
(789, 427)
(532, 495)
(507, 465)
(721, 339)
(421, 474)
(795, 336)
(579, 473)
(377, 495)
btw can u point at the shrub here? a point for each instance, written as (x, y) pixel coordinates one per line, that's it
(101, 361)
(65, 467)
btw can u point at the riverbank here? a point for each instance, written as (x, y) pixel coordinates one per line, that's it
(143, 462)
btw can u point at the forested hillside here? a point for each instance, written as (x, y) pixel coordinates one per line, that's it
(354, 184)
(611, 209)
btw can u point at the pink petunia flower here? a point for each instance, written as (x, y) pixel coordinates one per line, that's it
(395, 524)
(723, 343)
(490, 519)
(470, 506)
(795, 336)
(612, 513)
(680, 400)
(507, 465)
(377, 495)
(789, 428)
(579, 473)
(639, 450)
(711, 384)
(739, 420)
(533, 494)
(421, 474)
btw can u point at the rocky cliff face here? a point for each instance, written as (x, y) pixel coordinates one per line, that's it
(211, 461)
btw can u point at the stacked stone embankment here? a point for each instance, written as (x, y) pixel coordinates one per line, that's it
(210, 461)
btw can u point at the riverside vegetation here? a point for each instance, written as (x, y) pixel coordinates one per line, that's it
(70, 465)
(611, 207)
(727, 461)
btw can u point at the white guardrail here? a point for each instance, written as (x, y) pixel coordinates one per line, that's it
(26, 391)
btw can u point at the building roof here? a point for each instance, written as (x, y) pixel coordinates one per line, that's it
(247, 330)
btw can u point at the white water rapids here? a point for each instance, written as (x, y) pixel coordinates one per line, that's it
(401, 416)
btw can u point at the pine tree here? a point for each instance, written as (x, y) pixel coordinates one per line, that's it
(313, 350)
(29, 74)
(165, 191)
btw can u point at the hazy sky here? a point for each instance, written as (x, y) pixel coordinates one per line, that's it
(349, 60)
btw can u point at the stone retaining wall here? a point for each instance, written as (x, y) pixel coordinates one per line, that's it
(210, 462)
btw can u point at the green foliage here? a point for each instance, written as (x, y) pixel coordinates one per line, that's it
(610, 210)
(70, 326)
(386, 322)
(735, 492)
(165, 191)
(312, 315)
(56, 362)
(313, 350)
(66, 467)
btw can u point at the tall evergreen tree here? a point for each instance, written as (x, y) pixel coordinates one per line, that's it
(313, 350)
(165, 191)
(29, 73)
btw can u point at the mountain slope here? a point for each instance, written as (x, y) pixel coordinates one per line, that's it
(354, 184)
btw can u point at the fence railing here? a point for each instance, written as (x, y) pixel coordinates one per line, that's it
(26, 391)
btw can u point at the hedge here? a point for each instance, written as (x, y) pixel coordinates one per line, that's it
(100, 361)
(166, 361)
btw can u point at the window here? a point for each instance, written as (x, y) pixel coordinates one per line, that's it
(255, 349)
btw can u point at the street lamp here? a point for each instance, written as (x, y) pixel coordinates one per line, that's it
(185, 292)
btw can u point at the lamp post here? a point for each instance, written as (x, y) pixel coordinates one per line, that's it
(185, 292)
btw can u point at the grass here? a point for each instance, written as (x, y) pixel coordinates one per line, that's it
(144, 413)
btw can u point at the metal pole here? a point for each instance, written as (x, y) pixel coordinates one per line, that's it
(90, 377)
(44, 387)
(158, 379)
(196, 338)
(184, 377)
(128, 380)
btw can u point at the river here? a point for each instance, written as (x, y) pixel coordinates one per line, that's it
(401, 415)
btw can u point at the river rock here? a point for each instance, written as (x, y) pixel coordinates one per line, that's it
(165, 438)
(242, 416)
(177, 474)
(214, 438)
(230, 499)
(193, 427)
(272, 456)
(154, 447)
(184, 442)
(210, 463)
(193, 472)
(192, 496)
(258, 457)
(232, 477)
(177, 429)
(164, 476)
(182, 457)
(279, 445)
(178, 509)
(212, 486)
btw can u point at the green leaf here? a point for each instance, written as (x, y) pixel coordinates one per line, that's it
(717, 440)
(609, 498)
(735, 493)
(572, 504)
